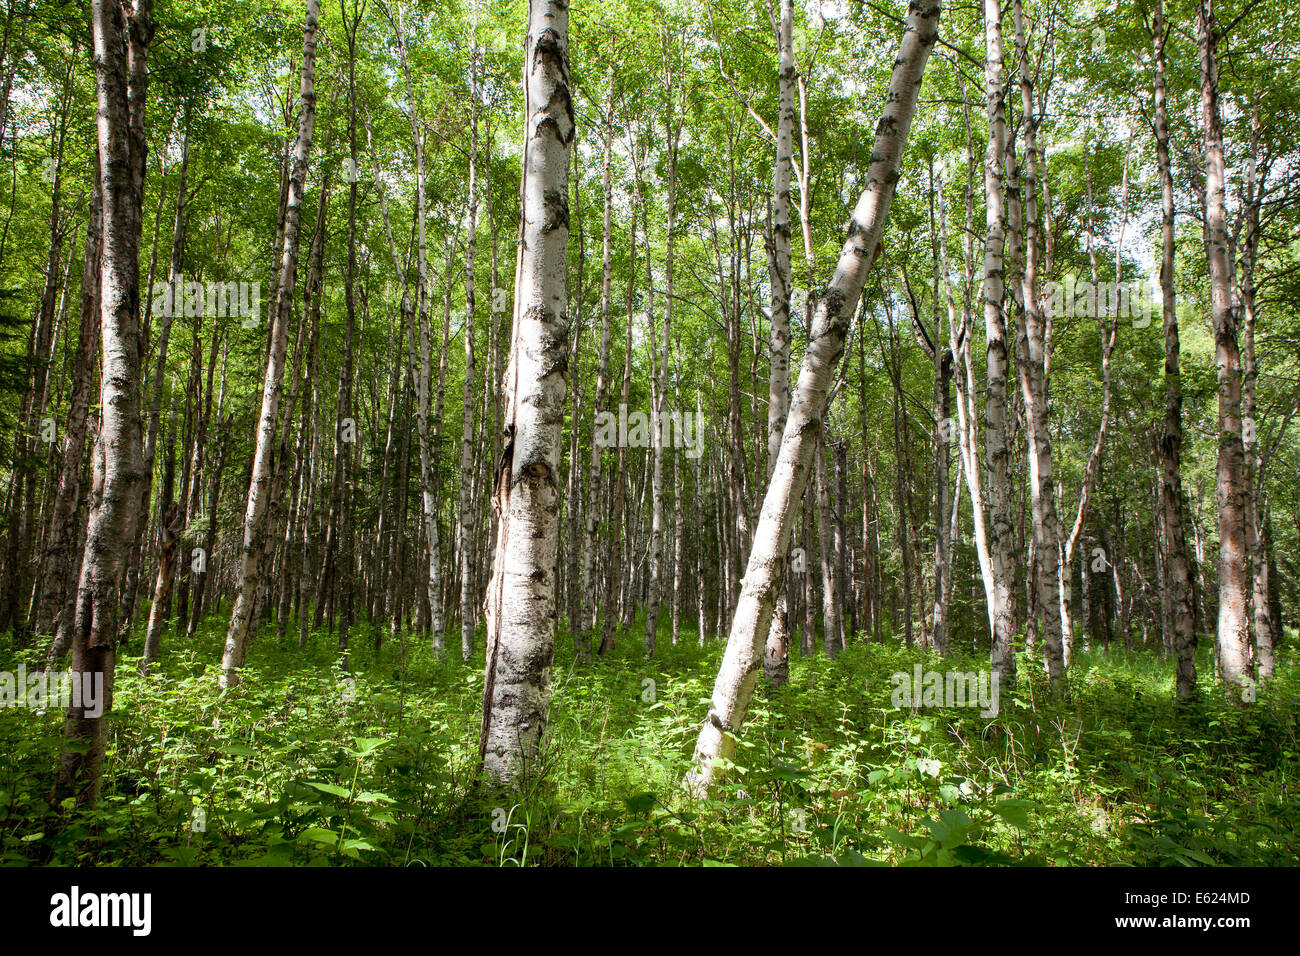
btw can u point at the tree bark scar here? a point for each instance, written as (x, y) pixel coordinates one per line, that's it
(834, 300)
(560, 103)
(555, 203)
(503, 468)
(548, 47)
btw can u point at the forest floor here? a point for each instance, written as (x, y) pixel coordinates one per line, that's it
(305, 764)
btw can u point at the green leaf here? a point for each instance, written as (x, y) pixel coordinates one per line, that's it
(951, 829)
(330, 788)
(1016, 812)
(319, 835)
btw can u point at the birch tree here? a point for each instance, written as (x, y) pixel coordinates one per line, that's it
(57, 583)
(1233, 632)
(1034, 376)
(465, 503)
(241, 620)
(745, 645)
(521, 598)
(121, 36)
(999, 581)
(777, 657)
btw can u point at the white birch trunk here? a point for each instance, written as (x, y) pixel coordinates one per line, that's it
(999, 528)
(1034, 381)
(119, 470)
(745, 645)
(241, 621)
(1230, 493)
(466, 498)
(592, 495)
(776, 661)
(521, 593)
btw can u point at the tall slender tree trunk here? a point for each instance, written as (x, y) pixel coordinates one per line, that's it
(428, 499)
(346, 438)
(175, 304)
(170, 532)
(121, 79)
(250, 572)
(659, 433)
(214, 497)
(22, 520)
(1000, 583)
(575, 471)
(614, 546)
(1266, 632)
(826, 552)
(1171, 436)
(521, 593)
(1109, 332)
(593, 492)
(1034, 380)
(57, 584)
(776, 659)
(466, 499)
(1230, 490)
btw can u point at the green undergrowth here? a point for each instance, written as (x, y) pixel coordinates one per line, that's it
(305, 764)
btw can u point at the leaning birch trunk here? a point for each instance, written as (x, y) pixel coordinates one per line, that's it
(521, 593)
(959, 339)
(745, 645)
(943, 538)
(122, 160)
(1233, 629)
(241, 621)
